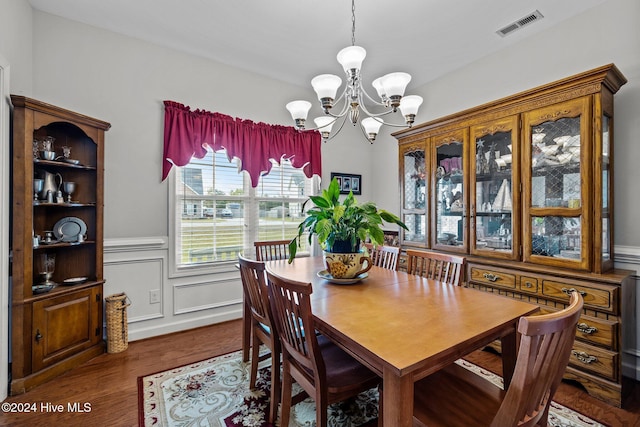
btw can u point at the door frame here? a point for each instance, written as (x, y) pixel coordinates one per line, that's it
(5, 121)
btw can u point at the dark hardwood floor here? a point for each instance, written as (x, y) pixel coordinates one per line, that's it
(109, 382)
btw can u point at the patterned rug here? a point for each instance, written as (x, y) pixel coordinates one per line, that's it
(215, 393)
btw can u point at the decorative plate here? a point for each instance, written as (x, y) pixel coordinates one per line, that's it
(324, 274)
(41, 289)
(74, 280)
(68, 229)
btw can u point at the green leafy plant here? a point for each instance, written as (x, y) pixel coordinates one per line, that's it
(346, 222)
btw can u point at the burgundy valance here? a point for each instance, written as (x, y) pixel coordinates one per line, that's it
(187, 134)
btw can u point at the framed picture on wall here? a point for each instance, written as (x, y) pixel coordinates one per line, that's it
(348, 182)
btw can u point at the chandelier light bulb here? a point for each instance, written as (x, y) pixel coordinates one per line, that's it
(379, 87)
(326, 86)
(394, 86)
(324, 125)
(409, 107)
(372, 127)
(299, 111)
(351, 58)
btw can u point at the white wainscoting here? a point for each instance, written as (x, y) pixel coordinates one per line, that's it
(628, 258)
(139, 266)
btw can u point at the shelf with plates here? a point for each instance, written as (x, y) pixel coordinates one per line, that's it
(57, 241)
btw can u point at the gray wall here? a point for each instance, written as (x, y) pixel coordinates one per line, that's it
(124, 81)
(16, 41)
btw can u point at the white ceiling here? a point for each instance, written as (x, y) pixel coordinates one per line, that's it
(294, 40)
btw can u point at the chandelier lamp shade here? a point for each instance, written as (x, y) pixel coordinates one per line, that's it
(350, 103)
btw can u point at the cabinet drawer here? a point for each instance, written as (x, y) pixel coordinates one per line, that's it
(600, 297)
(598, 331)
(529, 284)
(595, 360)
(493, 277)
(601, 332)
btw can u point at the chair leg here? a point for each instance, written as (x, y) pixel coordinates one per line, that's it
(246, 331)
(380, 406)
(287, 382)
(255, 359)
(275, 383)
(322, 408)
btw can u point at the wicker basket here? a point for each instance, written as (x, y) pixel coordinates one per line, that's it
(117, 328)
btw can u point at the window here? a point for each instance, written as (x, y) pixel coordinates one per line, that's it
(218, 214)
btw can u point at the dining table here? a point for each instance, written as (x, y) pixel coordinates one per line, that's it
(405, 327)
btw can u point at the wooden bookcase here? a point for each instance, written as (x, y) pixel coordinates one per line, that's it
(55, 330)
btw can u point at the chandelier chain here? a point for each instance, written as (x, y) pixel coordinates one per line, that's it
(353, 22)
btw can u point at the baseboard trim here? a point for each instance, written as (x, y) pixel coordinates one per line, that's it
(136, 334)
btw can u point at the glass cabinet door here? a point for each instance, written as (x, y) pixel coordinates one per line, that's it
(449, 192)
(603, 199)
(414, 194)
(494, 175)
(556, 192)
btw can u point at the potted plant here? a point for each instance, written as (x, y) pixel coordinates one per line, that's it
(340, 226)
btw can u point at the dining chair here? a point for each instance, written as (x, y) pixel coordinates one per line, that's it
(254, 286)
(456, 397)
(268, 250)
(384, 256)
(433, 265)
(324, 371)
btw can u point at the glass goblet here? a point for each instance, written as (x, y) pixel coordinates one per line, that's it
(36, 149)
(38, 185)
(69, 187)
(46, 267)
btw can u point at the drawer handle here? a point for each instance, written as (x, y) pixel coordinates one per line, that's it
(571, 290)
(586, 329)
(528, 285)
(584, 357)
(38, 336)
(490, 277)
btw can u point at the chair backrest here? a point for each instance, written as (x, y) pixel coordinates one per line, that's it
(270, 250)
(433, 265)
(291, 308)
(544, 352)
(254, 286)
(384, 256)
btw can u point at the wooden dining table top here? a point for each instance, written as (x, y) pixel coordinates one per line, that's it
(405, 327)
(404, 321)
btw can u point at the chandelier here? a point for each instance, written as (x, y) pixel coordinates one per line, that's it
(390, 89)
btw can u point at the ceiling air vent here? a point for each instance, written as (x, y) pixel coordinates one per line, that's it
(532, 17)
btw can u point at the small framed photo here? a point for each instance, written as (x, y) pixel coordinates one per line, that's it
(348, 182)
(355, 184)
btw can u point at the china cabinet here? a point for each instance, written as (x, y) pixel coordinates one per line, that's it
(56, 241)
(523, 186)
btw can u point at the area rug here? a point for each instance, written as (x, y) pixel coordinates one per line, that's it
(215, 393)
